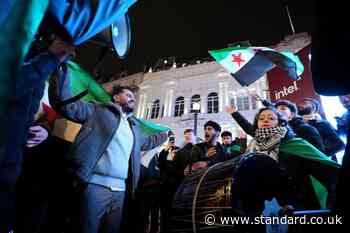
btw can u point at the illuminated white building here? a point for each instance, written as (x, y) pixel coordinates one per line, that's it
(166, 97)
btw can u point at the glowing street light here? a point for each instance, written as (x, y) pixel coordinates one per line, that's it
(196, 107)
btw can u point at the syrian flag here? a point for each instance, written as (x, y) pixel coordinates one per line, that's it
(248, 64)
(85, 88)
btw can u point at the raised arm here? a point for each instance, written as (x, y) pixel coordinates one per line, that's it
(241, 121)
(60, 90)
(34, 72)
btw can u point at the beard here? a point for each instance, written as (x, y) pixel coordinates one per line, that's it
(209, 138)
(127, 109)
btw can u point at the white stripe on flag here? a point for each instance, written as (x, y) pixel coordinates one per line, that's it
(233, 67)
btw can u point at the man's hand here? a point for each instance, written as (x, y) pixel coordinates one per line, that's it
(230, 109)
(187, 171)
(199, 165)
(38, 134)
(242, 135)
(61, 50)
(211, 152)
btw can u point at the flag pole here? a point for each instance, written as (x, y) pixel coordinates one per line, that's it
(290, 19)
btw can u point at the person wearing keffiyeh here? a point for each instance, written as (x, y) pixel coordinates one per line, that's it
(312, 173)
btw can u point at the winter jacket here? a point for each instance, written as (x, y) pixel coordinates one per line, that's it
(331, 140)
(199, 153)
(99, 124)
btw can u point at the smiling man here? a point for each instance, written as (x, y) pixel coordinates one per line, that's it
(106, 151)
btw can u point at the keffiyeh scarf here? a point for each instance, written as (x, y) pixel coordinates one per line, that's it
(267, 141)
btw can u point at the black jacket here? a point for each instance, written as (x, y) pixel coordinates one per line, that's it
(182, 159)
(199, 153)
(167, 168)
(307, 132)
(331, 140)
(244, 123)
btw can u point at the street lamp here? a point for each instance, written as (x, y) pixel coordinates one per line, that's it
(196, 106)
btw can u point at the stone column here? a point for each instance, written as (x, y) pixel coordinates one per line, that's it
(223, 95)
(170, 102)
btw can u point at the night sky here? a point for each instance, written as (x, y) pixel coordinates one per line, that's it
(189, 28)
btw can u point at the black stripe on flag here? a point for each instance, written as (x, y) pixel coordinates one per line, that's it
(253, 70)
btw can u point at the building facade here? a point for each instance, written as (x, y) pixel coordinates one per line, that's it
(166, 97)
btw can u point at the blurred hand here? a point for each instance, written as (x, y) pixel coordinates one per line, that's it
(242, 135)
(61, 50)
(38, 134)
(230, 109)
(256, 97)
(211, 151)
(199, 165)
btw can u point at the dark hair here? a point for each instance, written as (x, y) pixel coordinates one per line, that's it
(289, 104)
(281, 120)
(117, 89)
(172, 138)
(226, 134)
(188, 131)
(316, 104)
(213, 124)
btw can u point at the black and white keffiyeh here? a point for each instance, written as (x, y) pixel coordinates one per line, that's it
(267, 140)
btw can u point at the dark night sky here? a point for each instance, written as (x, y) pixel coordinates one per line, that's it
(189, 28)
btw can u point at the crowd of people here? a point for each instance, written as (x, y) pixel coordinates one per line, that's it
(291, 150)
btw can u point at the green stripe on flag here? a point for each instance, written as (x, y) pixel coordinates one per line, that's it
(82, 80)
(296, 60)
(223, 53)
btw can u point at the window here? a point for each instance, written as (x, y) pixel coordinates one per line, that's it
(254, 103)
(195, 99)
(162, 114)
(233, 102)
(179, 106)
(147, 111)
(155, 110)
(242, 103)
(213, 103)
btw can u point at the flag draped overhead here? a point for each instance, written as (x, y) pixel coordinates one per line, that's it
(248, 64)
(19, 20)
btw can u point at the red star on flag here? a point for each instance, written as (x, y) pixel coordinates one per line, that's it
(237, 58)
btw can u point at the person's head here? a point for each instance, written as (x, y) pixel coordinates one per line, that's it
(226, 138)
(172, 140)
(287, 108)
(345, 101)
(308, 106)
(124, 97)
(189, 136)
(268, 118)
(211, 131)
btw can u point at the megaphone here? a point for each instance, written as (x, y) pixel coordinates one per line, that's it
(66, 25)
(116, 37)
